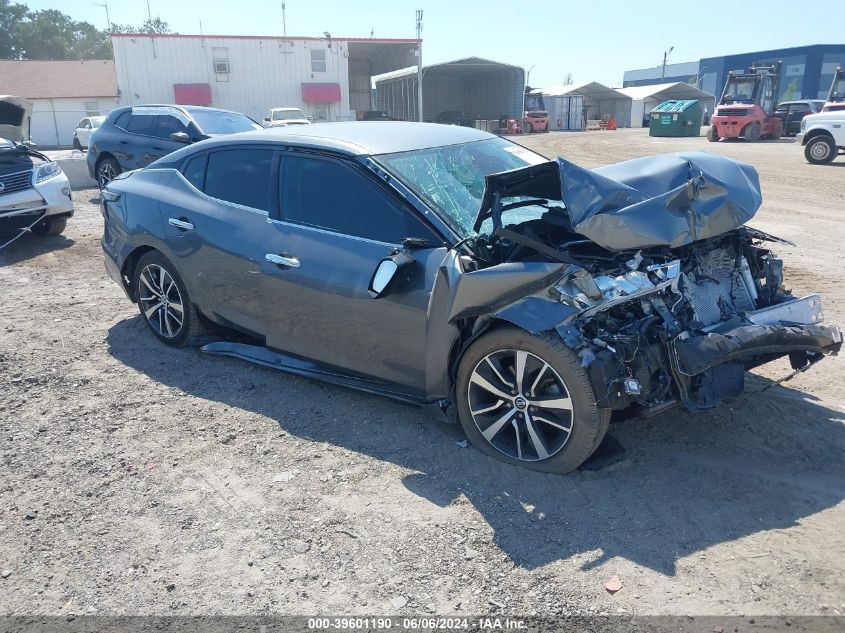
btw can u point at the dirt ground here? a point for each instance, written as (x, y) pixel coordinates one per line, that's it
(138, 479)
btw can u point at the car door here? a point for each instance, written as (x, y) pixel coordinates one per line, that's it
(334, 225)
(163, 126)
(216, 209)
(135, 146)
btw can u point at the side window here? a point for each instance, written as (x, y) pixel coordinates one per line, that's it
(194, 171)
(140, 124)
(330, 195)
(165, 125)
(123, 120)
(241, 176)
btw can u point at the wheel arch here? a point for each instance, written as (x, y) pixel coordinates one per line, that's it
(103, 155)
(813, 133)
(127, 271)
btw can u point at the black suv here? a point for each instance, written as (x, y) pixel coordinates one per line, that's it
(135, 136)
(791, 113)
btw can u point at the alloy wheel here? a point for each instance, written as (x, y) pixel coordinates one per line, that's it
(106, 173)
(161, 301)
(520, 405)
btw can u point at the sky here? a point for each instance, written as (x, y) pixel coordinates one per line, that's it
(593, 40)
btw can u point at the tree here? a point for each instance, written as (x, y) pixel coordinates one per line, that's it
(11, 15)
(154, 25)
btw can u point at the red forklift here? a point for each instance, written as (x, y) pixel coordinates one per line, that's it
(747, 106)
(836, 96)
(535, 117)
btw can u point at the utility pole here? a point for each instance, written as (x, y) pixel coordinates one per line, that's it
(419, 66)
(284, 23)
(665, 55)
(105, 5)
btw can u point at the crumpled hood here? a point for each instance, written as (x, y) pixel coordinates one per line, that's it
(666, 200)
(15, 116)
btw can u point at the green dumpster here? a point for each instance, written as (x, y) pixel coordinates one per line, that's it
(676, 117)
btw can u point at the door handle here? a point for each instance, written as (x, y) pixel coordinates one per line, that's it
(182, 225)
(285, 259)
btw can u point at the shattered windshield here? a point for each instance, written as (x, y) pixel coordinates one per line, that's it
(451, 178)
(740, 90)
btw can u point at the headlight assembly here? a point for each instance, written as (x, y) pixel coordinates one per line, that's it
(46, 171)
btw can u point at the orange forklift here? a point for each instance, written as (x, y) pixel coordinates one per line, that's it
(836, 96)
(535, 117)
(747, 106)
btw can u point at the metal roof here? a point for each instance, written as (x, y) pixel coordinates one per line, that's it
(359, 138)
(465, 64)
(663, 92)
(590, 89)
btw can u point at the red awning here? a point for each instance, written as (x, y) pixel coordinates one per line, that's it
(320, 93)
(192, 94)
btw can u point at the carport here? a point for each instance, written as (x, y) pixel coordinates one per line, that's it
(598, 101)
(645, 98)
(481, 88)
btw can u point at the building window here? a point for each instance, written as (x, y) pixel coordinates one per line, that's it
(92, 108)
(220, 62)
(318, 60)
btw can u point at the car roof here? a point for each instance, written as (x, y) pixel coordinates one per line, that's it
(361, 138)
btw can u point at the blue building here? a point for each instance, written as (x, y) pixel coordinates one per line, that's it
(807, 71)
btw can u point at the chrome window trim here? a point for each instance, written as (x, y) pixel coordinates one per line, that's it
(329, 232)
(202, 194)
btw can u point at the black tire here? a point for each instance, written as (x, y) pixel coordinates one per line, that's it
(820, 150)
(161, 321)
(107, 169)
(49, 226)
(587, 423)
(546, 129)
(528, 128)
(752, 132)
(77, 144)
(712, 134)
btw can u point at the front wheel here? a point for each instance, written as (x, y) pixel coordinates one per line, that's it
(712, 134)
(528, 129)
(107, 170)
(163, 300)
(50, 227)
(820, 150)
(526, 400)
(752, 132)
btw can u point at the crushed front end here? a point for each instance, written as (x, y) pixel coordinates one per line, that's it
(665, 294)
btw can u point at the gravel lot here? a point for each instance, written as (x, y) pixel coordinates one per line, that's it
(138, 479)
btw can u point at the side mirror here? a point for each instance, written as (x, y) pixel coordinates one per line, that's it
(267, 119)
(180, 137)
(390, 274)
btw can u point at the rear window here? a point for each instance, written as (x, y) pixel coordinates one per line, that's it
(241, 176)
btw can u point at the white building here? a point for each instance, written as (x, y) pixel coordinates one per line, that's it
(597, 101)
(62, 93)
(328, 78)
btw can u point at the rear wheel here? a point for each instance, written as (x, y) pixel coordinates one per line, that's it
(163, 300)
(820, 150)
(526, 400)
(107, 170)
(49, 226)
(752, 132)
(712, 134)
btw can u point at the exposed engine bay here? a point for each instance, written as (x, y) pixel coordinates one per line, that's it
(666, 297)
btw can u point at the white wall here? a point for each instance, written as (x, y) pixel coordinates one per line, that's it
(54, 120)
(264, 73)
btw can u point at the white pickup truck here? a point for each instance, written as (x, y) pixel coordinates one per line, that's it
(823, 136)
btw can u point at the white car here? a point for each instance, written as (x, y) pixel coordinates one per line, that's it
(34, 192)
(282, 117)
(823, 136)
(86, 126)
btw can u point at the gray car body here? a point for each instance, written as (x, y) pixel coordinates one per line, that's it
(403, 345)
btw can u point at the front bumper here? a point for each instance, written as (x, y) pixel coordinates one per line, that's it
(745, 344)
(800, 138)
(51, 197)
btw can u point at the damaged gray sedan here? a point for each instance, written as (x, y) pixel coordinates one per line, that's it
(439, 264)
